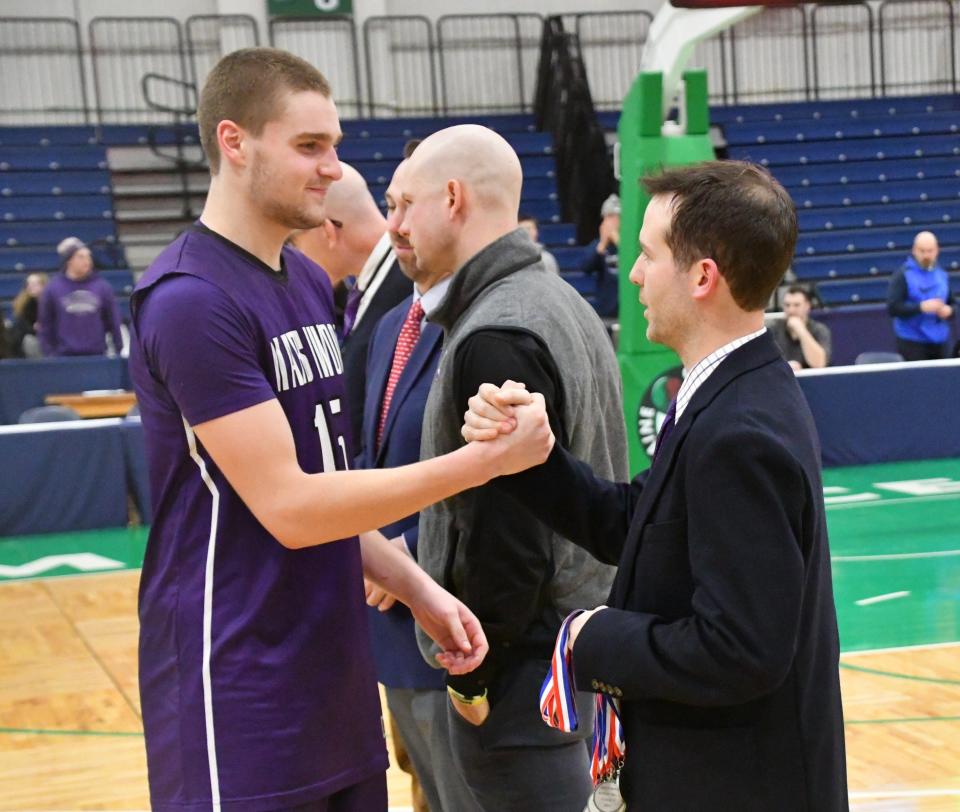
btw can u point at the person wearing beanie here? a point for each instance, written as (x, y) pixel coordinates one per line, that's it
(77, 308)
(600, 258)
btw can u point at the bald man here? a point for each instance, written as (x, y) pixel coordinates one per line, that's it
(920, 303)
(505, 316)
(353, 241)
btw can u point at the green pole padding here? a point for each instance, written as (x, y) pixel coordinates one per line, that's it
(649, 369)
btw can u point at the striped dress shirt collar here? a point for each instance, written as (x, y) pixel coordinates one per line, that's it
(704, 368)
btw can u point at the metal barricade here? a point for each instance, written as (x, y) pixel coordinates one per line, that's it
(488, 62)
(42, 70)
(917, 47)
(611, 44)
(401, 72)
(843, 51)
(330, 44)
(124, 50)
(769, 55)
(211, 36)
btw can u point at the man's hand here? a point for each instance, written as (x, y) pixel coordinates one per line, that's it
(528, 445)
(796, 366)
(491, 411)
(945, 312)
(580, 621)
(377, 596)
(932, 305)
(452, 626)
(795, 326)
(475, 713)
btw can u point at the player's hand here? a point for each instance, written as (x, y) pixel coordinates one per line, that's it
(491, 411)
(529, 444)
(931, 305)
(945, 312)
(475, 713)
(377, 596)
(453, 627)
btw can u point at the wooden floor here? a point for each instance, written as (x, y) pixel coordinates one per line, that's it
(71, 737)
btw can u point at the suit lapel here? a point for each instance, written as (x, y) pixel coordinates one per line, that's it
(430, 338)
(750, 356)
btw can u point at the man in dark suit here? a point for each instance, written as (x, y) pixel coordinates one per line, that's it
(353, 241)
(401, 364)
(720, 639)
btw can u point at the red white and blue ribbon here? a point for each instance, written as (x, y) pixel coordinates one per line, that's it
(558, 709)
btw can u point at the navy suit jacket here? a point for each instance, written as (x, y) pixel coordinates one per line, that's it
(721, 641)
(398, 659)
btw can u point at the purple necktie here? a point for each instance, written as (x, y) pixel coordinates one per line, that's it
(354, 295)
(665, 428)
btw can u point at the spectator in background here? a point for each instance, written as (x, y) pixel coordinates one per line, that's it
(920, 303)
(601, 258)
(804, 343)
(22, 337)
(77, 309)
(353, 241)
(531, 225)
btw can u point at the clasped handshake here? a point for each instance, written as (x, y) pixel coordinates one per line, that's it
(514, 421)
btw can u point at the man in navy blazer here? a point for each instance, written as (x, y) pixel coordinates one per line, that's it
(720, 640)
(416, 692)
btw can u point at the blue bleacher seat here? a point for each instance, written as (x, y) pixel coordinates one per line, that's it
(810, 152)
(834, 109)
(56, 207)
(584, 283)
(44, 136)
(875, 239)
(826, 130)
(852, 291)
(868, 171)
(421, 127)
(51, 232)
(49, 182)
(24, 260)
(557, 234)
(379, 173)
(24, 159)
(917, 214)
(865, 194)
(568, 258)
(865, 264)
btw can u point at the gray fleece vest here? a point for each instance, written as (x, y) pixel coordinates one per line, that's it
(507, 286)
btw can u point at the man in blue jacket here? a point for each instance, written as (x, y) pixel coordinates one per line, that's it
(920, 303)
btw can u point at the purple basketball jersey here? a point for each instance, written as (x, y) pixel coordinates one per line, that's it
(256, 679)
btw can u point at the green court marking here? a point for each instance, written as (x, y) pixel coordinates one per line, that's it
(904, 721)
(29, 731)
(892, 542)
(59, 554)
(897, 675)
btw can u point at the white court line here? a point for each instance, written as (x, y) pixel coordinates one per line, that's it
(939, 497)
(894, 556)
(890, 596)
(905, 793)
(919, 647)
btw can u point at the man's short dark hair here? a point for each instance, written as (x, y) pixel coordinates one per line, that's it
(524, 217)
(250, 87)
(736, 214)
(802, 290)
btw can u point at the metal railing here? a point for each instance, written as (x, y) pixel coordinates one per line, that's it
(330, 44)
(44, 79)
(472, 63)
(401, 66)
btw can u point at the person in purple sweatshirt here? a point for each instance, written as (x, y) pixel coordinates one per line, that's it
(77, 308)
(257, 681)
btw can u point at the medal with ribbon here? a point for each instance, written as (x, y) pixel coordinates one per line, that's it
(558, 708)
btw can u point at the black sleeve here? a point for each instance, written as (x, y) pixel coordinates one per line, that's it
(898, 305)
(507, 550)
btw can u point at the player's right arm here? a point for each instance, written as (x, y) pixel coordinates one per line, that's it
(254, 449)
(201, 347)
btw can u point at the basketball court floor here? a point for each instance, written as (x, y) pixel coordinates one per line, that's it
(70, 729)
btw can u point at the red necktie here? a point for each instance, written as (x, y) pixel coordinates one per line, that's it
(406, 341)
